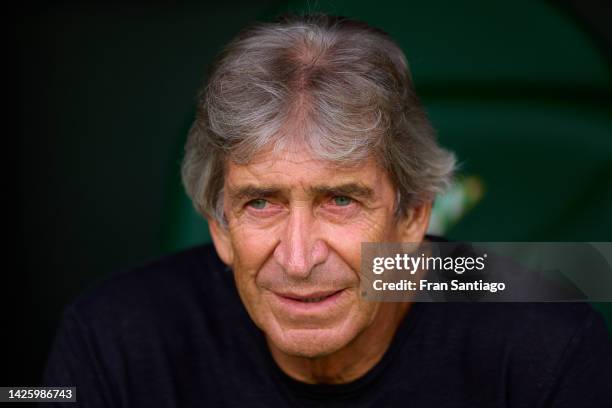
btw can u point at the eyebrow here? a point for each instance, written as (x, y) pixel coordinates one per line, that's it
(250, 191)
(350, 189)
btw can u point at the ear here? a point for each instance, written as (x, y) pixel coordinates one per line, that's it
(413, 226)
(221, 240)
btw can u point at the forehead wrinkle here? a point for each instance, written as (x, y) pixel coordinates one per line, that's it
(322, 178)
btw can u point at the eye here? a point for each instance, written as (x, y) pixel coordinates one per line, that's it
(258, 203)
(342, 201)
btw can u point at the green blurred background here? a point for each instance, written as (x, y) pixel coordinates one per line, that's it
(521, 91)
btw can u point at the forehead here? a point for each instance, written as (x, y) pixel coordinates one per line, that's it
(295, 169)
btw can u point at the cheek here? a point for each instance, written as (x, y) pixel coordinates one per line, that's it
(251, 248)
(367, 310)
(346, 239)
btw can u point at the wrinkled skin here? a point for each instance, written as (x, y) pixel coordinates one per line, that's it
(293, 240)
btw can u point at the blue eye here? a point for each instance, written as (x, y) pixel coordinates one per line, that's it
(258, 204)
(342, 201)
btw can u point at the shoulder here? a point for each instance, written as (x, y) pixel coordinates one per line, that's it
(561, 351)
(532, 351)
(529, 322)
(167, 291)
(536, 335)
(173, 320)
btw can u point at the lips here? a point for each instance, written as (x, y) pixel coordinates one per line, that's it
(309, 298)
(308, 305)
(313, 300)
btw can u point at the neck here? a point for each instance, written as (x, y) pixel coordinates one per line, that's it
(352, 361)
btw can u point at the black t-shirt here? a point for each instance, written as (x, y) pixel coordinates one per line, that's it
(174, 333)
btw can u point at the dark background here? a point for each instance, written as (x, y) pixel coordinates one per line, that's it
(105, 94)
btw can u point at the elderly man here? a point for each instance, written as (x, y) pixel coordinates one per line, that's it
(310, 140)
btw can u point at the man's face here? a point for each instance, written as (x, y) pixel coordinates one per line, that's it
(295, 228)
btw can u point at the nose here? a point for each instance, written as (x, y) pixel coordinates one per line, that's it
(300, 248)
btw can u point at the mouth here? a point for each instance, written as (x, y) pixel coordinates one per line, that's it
(314, 302)
(310, 298)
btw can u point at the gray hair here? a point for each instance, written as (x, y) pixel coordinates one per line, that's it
(338, 85)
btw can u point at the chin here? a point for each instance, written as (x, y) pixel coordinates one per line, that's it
(311, 343)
